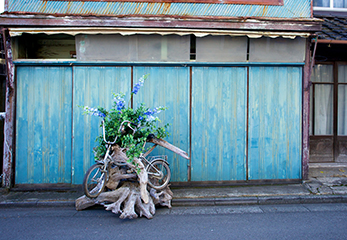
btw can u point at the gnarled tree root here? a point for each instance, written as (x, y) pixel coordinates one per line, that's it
(127, 201)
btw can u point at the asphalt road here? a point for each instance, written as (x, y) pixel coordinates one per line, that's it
(308, 221)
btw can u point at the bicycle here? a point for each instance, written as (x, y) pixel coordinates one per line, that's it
(96, 177)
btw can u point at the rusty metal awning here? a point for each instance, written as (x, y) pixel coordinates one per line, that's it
(161, 31)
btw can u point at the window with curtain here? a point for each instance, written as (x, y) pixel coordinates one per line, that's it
(322, 98)
(326, 91)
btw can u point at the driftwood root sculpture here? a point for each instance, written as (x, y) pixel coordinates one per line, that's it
(127, 201)
(133, 198)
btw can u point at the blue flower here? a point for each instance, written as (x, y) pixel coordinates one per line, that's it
(150, 118)
(154, 111)
(139, 85)
(94, 112)
(120, 103)
(139, 119)
(150, 112)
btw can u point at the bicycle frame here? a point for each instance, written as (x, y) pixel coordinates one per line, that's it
(157, 167)
(107, 159)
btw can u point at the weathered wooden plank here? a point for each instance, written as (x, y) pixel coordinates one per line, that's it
(93, 87)
(169, 87)
(10, 113)
(306, 109)
(43, 124)
(219, 124)
(275, 124)
(169, 146)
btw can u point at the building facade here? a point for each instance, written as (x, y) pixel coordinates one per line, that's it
(234, 76)
(328, 135)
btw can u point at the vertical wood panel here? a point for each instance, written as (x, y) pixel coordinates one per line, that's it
(169, 87)
(43, 123)
(219, 110)
(275, 123)
(219, 124)
(93, 87)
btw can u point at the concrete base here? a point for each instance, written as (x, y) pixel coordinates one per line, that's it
(327, 170)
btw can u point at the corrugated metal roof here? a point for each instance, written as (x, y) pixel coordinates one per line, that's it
(290, 9)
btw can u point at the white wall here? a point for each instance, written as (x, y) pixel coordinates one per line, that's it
(2, 2)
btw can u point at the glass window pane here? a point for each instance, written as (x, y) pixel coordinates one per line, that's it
(277, 50)
(322, 73)
(321, 3)
(340, 3)
(342, 110)
(342, 74)
(221, 49)
(323, 118)
(170, 48)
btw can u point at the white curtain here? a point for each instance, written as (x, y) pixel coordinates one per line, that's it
(342, 101)
(323, 108)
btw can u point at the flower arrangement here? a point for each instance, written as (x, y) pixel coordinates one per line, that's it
(144, 118)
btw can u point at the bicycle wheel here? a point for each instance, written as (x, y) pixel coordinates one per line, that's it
(94, 181)
(159, 174)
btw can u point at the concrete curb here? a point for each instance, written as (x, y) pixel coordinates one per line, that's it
(257, 200)
(37, 204)
(261, 200)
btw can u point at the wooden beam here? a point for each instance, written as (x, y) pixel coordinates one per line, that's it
(8, 155)
(224, 23)
(326, 41)
(165, 144)
(306, 112)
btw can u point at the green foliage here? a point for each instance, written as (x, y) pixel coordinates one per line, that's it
(144, 122)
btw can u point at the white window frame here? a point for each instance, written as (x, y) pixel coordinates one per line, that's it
(331, 8)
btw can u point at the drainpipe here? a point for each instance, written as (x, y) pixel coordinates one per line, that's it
(9, 114)
(314, 53)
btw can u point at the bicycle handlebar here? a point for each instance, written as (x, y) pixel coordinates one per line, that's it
(134, 129)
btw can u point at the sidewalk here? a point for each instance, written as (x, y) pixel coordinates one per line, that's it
(320, 190)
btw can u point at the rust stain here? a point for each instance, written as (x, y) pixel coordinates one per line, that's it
(167, 7)
(68, 6)
(244, 2)
(150, 7)
(121, 7)
(137, 8)
(265, 10)
(44, 7)
(108, 8)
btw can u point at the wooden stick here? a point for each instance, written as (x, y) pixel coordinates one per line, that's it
(169, 146)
